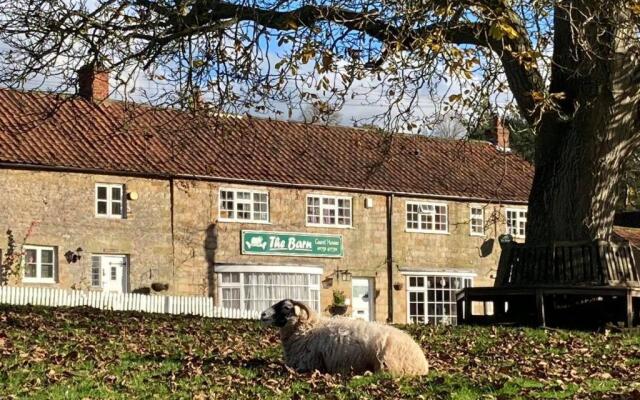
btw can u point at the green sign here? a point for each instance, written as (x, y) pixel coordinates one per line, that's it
(291, 244)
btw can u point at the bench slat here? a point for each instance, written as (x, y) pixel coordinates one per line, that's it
(582, 263)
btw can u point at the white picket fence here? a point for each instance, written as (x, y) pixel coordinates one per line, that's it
(194, 305)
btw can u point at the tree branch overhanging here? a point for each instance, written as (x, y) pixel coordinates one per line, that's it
(525, 81)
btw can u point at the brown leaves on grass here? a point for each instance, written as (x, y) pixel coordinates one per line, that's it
(86, 353)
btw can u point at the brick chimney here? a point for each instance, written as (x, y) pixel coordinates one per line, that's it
(93, 83)
(499, 135)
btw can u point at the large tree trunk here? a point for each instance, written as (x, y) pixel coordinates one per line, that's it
(584, 140)
(575, 185)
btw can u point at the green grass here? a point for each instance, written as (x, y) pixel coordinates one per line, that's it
(48, 353)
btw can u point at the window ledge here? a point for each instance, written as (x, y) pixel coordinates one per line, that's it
(329, 226)
(427, 232)
(38, 281)
(244, 221)
(482, 235)
(109, 217)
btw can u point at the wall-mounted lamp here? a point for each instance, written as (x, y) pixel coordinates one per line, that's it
(368, 202)
(132, 196)
(71, 256)
(343, 275)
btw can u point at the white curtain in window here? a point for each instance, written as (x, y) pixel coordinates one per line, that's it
(257, 290)
(261, 290)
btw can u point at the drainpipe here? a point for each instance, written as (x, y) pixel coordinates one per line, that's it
(390, 258)
(173, 243)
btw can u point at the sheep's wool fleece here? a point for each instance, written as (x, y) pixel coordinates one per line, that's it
(347, 345)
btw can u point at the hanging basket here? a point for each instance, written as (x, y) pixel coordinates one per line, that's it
(159, 287)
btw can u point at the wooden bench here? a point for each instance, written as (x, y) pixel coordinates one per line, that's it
(594, 275)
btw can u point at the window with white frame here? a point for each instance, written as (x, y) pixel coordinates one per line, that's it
(259, 290)
(432, 298)
(516, 222)
(427, 217)
(476, 221)
(329, 211)
(39, 264)
(109, 200)
(96, 271)
(244, 205)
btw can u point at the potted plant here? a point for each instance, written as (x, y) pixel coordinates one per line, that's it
(339, 306)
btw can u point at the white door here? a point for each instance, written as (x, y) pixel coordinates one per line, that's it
(114, 274)
(362, 298)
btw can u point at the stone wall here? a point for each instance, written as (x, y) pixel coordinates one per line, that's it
(58, 209)
(455, 251)
(201, 236)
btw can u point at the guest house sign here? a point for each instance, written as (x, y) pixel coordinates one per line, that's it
(291, 244)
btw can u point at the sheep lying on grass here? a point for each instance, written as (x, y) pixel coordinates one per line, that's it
(343, 345)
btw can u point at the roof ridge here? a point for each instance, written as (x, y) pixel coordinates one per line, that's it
(137, 138)
(152, 107)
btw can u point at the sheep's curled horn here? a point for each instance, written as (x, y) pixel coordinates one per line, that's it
(343, 345)
(304, 308)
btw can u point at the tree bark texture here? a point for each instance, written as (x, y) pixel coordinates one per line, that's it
(582, 145)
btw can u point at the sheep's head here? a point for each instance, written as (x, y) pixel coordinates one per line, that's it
(286, 313)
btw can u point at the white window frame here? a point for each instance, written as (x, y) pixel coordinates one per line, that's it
(425, 290)
(243, 269)
(99, 256)
(235, 206)
(518, 219)
(110, 201)
(420, 213)
(473, 218)
(333, 207)
(38, 278)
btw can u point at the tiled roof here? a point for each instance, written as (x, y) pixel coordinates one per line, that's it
(632, 235)
(48, 130)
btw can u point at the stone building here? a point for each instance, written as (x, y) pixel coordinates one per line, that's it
(113, 196)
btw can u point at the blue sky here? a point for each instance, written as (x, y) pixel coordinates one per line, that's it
(366, 99)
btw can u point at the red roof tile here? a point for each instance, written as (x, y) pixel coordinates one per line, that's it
(55, 131)
(632, 235)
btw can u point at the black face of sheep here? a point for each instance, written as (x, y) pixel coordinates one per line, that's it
(285, 312)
